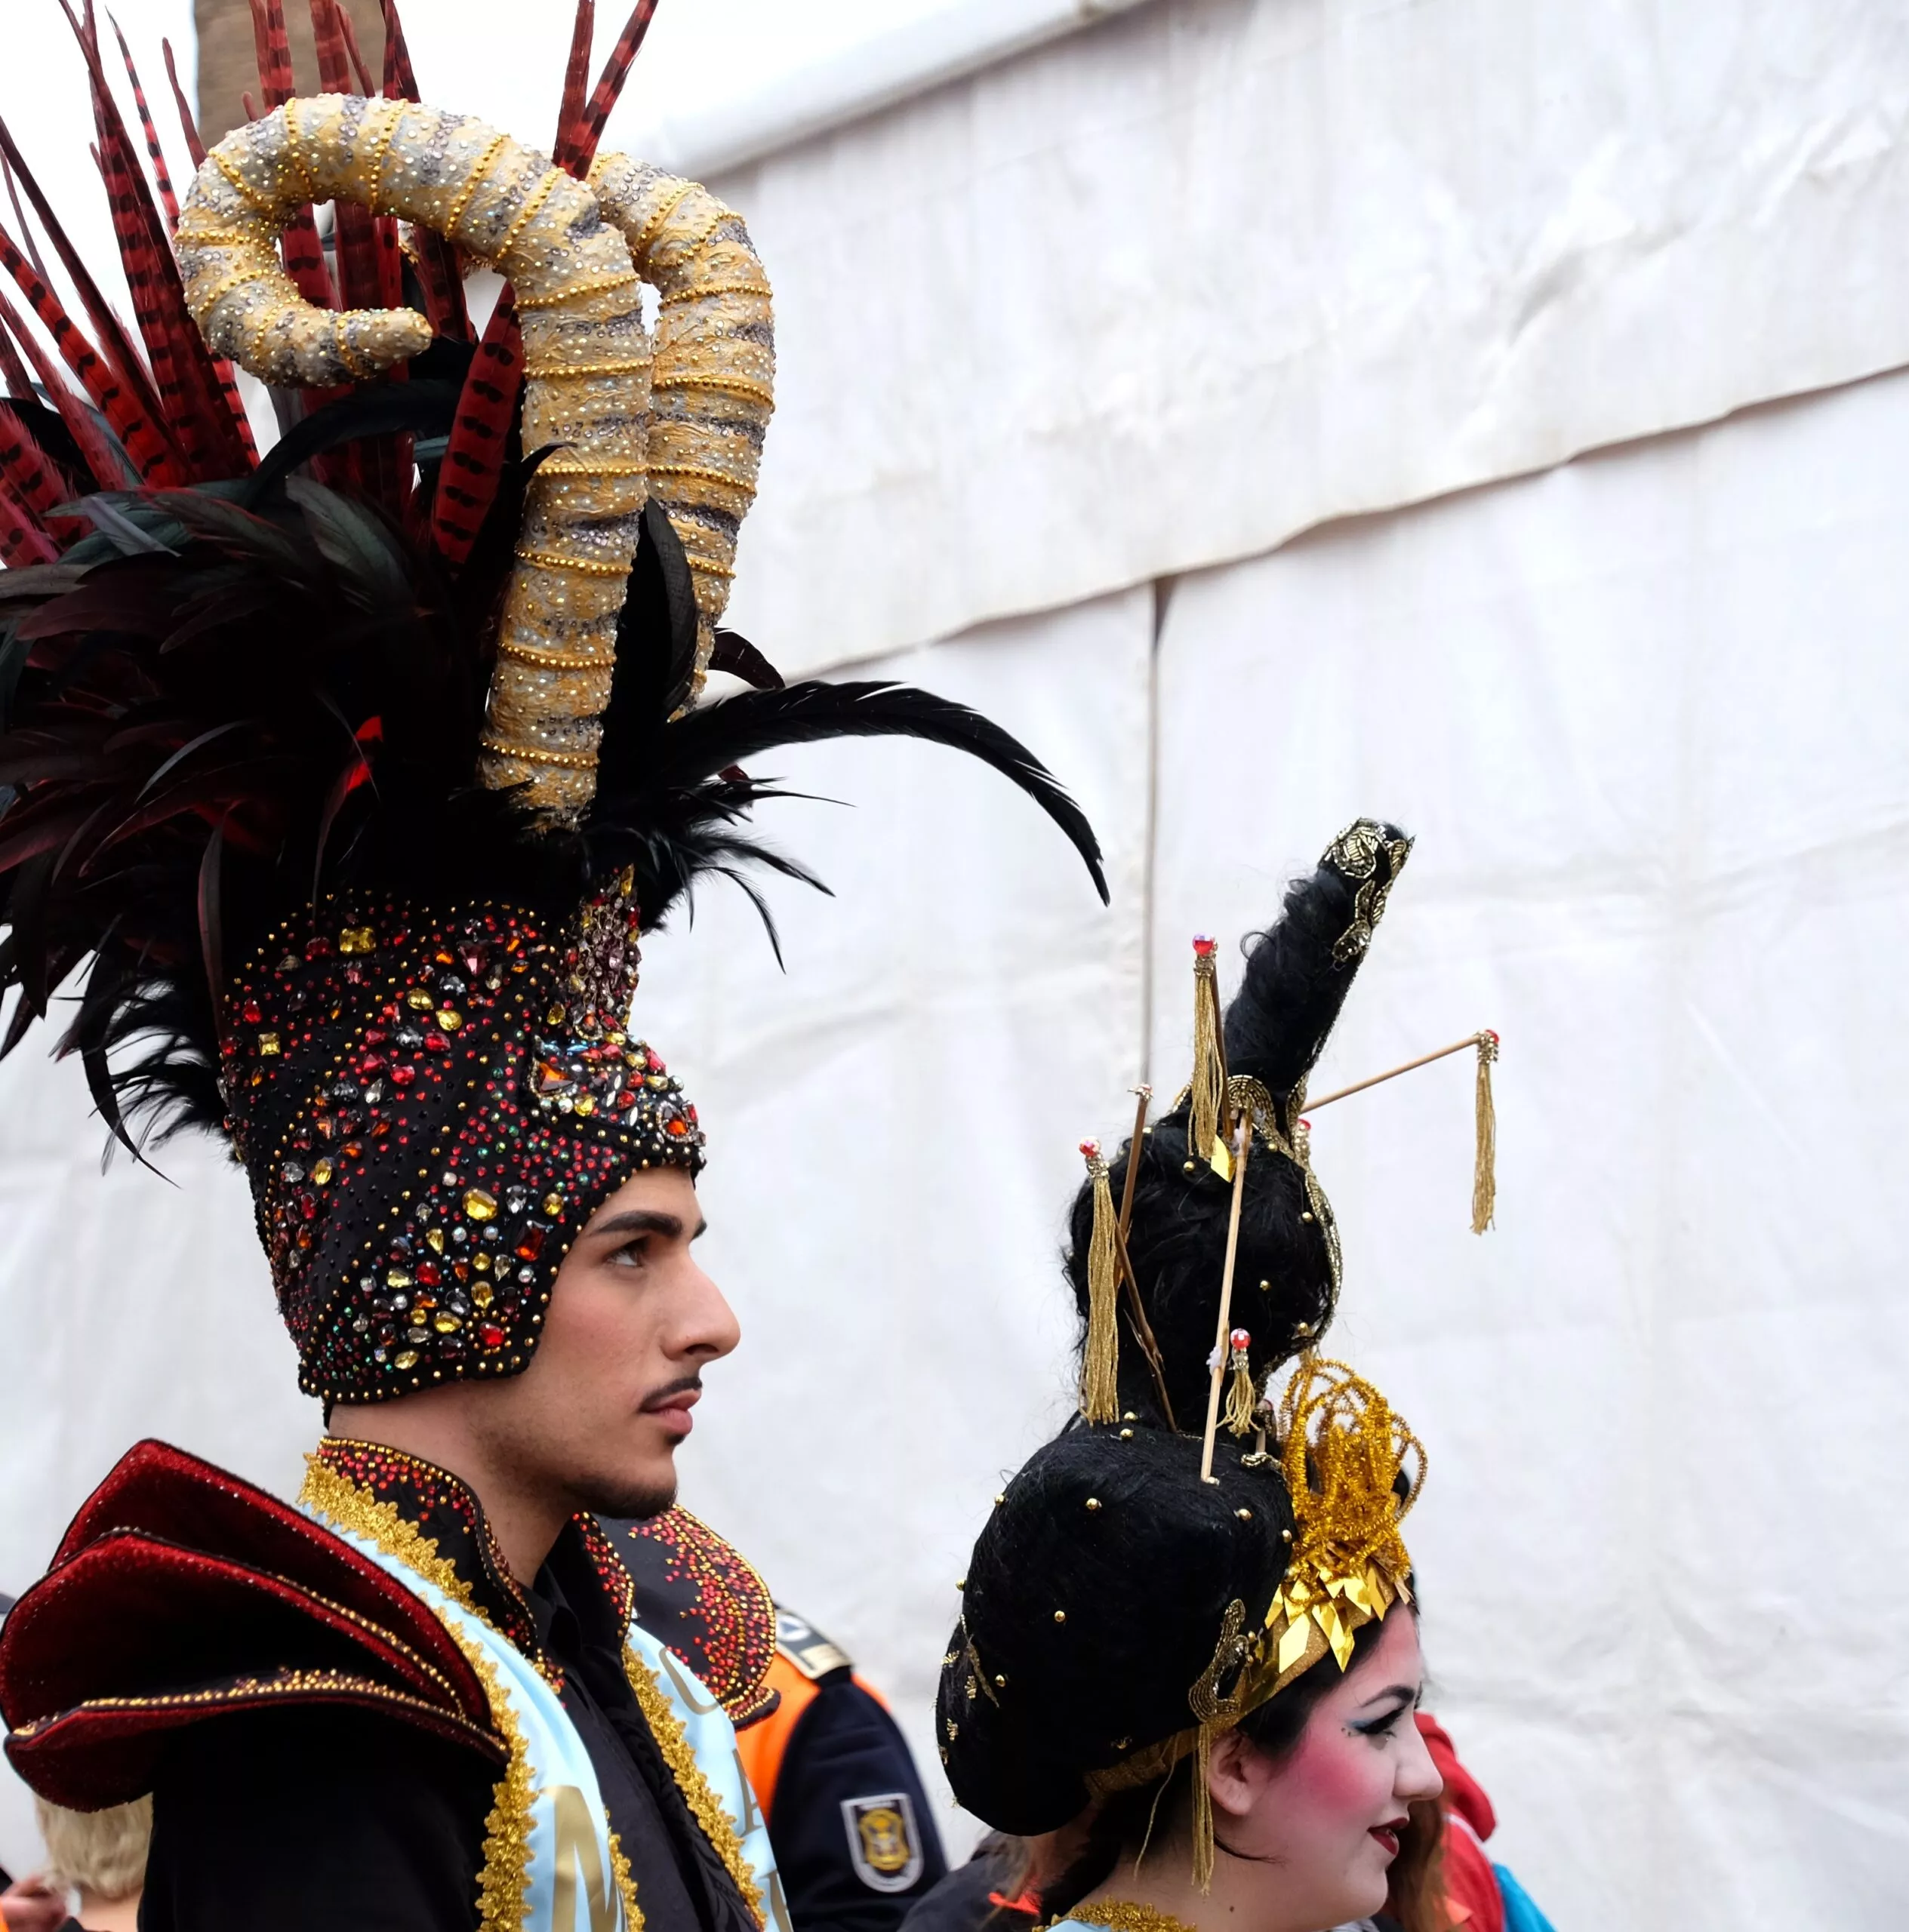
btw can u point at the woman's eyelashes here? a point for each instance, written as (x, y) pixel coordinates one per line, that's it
(1386, 1724)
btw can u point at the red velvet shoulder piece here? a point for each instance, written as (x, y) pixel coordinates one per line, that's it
(181, 1592)
(706, 1601)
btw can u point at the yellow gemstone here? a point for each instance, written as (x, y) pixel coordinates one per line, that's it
(356, 939)
(445, 1323)
(321, 1172)
(481, 1262)
(480, 1206)
(553, 1205)
(450, 1018)
(585, 1105)
(406, 1359)
(434, 1239)
(418, 999)
(554, 1017)
(396, 1277)
(268, 1043)
(481, 1294)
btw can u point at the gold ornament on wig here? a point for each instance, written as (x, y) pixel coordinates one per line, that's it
(1208, 1127)
(1484, 1155)
(574, 260)
(1345, 1454)
(1100, 1399)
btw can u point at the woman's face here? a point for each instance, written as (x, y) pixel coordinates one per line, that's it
(1325, 1819)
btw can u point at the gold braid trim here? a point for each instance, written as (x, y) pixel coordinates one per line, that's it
(633, 1912)
(704, 1806)
(503, 1884)
(1121, 1915)
(358, 1510)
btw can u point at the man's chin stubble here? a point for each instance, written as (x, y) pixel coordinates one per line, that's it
(624, 1497)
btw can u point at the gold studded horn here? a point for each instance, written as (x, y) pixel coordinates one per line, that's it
(587, 370)
(713, 387)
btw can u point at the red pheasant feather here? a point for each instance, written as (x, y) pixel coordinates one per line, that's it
(473, 462)
(616, 71)
(103, 457)
(154, 152)
(194, 145)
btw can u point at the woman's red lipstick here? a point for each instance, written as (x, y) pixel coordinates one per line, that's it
(1388, 1835)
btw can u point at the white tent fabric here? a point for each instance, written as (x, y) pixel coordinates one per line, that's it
(1179, 286)
(1644, 711)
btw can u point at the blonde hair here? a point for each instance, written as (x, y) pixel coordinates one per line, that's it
(99, 1852)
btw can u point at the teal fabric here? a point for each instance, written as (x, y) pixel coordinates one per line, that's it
(1520, 1915)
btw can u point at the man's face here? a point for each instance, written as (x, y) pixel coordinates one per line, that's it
(598, 1414)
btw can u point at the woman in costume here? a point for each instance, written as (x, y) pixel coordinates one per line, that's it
(1187, 1639)
(355, 776)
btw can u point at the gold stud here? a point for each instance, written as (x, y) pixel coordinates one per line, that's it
(1245, 1515)
(1126, 1436)
(961, 1582)
(999, 1500)
(1285, 1536)
(1093, 1503)
(1060, 1617)
(1000, 1684)
(1264, 1286)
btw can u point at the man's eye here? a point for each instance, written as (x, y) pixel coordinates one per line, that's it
(632, 1254)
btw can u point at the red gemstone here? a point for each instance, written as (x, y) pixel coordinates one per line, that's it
(1203, 947)
(402, 1076)
(436, 1043)
(652, 1061)
(490, 1334)
(317, 949)
(531, 1246)
(371, 1063)
(427, 1274)
(678, 1127)
(1090, 1148)
(250, 1014)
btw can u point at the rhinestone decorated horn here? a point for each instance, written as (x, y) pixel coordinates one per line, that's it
(681, 421)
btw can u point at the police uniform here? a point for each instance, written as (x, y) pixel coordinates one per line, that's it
(854, 1839)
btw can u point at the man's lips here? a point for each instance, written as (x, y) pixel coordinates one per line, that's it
(1387, 1836)
(672, 1407)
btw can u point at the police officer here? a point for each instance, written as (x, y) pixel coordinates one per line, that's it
(849, 1821)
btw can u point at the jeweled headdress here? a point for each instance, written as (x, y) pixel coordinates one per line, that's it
(354, 776)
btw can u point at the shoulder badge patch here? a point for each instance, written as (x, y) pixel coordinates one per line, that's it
(805, 1645)
(883, 1841)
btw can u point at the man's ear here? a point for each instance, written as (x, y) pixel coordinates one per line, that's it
(1239, 1774)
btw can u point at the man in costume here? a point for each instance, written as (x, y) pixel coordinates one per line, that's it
(357, 775)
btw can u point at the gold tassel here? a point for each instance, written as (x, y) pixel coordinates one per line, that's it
(1242, 1398)
(1209, 1084)
(1100, 1400)
(1485, 1159)
(1203, 1810)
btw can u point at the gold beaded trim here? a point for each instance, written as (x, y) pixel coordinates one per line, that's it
(382, 148)
(594, 286)
(527, 214)
(553, 560)
(530, 755)
(469, 188)
(550, 660)
(610, 466)
(694, 470)
(740, 385)
(696, 294)
(717, 1826)
(656, 221)
(564, 372)
(341, 342)
(245, 188)
(240, 278)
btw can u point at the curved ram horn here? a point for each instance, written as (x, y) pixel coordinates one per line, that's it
(587, 368)
(712, 389)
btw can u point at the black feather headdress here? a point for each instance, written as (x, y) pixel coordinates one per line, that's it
(254, 790)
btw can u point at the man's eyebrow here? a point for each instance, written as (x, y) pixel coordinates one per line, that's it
(641, 1221)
